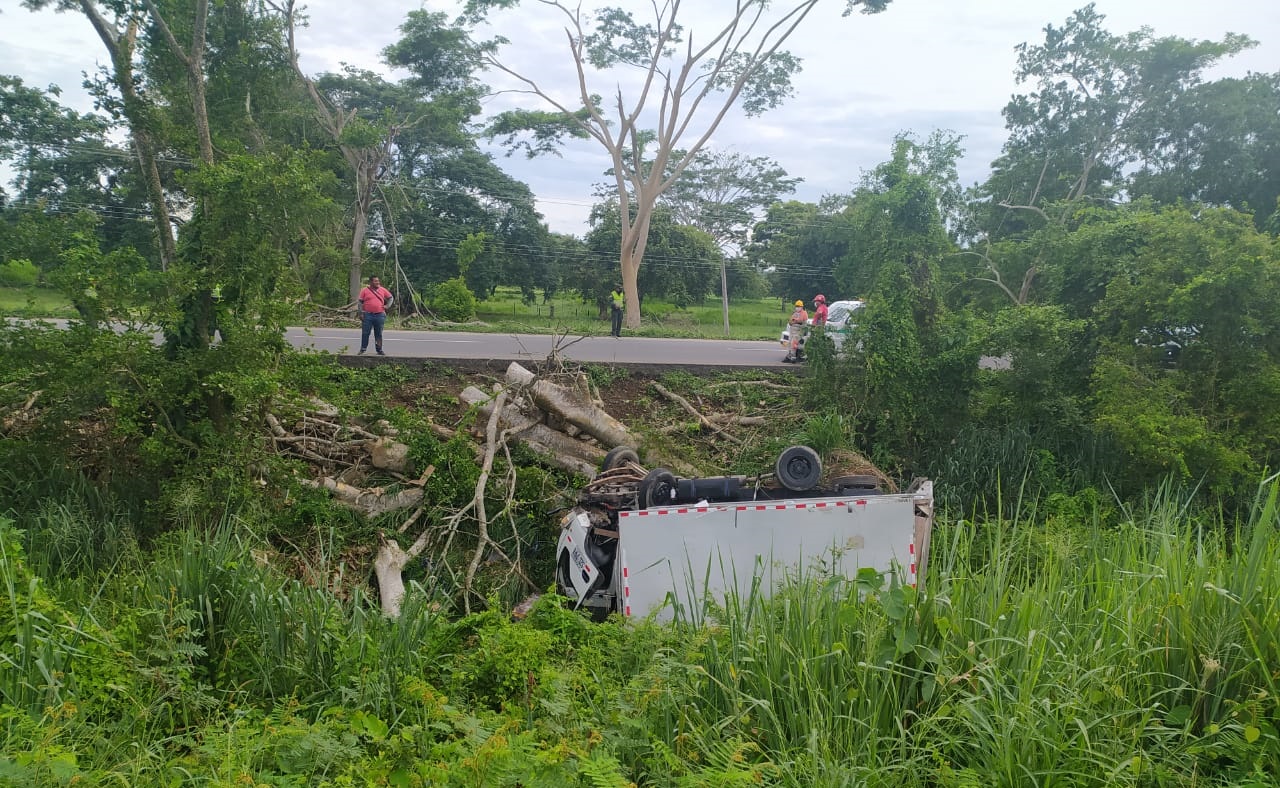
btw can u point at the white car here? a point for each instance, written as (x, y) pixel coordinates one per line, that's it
(839, 314)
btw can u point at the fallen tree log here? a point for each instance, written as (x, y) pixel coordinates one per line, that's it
(370, 502)
(559, 449)
(572, 406)
(388, 567)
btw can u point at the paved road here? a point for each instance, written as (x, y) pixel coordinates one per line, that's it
(536, 347)
(533, 347)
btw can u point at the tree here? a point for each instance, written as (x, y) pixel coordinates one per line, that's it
(51, 147)
(191, 57)
(799, 245)
(896, 216)
(741, 63)
(365, 145)
(683, 259)
(1101, 103)
(1210, 277)
(1221, 146)
(119, 35)
(721, 193)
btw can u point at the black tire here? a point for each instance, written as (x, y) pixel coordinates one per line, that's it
(657, 488)
(799, 468)
(860, 481)
(619, 456)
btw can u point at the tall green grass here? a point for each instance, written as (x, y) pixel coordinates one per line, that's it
(1037, 652)
(1141, 656)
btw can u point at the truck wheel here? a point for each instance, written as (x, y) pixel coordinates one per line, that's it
(799, 468)
(619, 456)
(657, 488)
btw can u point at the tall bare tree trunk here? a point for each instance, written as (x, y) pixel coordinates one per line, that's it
(193, 60)
(361, 223)
(120, 46)
(635, 236)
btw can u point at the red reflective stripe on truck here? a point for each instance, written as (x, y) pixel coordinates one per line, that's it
(778, 507)
(626, 586)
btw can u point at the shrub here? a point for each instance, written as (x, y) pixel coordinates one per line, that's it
(453, 301)
(19, 273)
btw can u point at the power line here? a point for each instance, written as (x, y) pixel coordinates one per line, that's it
(436, 243)
(512, 195)
(423, 189)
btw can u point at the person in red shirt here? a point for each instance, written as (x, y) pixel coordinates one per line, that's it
(373, 301)
(819, 310)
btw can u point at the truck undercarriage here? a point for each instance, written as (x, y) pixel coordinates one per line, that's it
(641, 541)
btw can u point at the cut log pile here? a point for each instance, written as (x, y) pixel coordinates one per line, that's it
(343, 453)
(560, 419)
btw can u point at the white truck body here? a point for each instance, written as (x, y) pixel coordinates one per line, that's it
(666, 556)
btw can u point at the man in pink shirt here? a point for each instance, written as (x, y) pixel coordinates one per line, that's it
(373, 301)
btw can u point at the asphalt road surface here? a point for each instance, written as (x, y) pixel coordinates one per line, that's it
(536, 347)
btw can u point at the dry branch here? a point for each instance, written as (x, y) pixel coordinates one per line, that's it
(764, 384)
(703, 421)
(742, 421)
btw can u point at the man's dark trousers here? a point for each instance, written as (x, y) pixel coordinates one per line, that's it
(617, 322)
(372, 321)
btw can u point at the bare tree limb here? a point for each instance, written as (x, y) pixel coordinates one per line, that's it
(703, 421)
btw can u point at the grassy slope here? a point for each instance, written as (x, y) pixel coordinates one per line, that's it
(1117, 646)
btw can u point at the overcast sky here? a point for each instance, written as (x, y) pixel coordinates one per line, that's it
(919, 66)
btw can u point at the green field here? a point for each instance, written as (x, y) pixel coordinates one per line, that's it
(34, 302)
(748, 319)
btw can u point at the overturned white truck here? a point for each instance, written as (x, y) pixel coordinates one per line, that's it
(646, 542)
